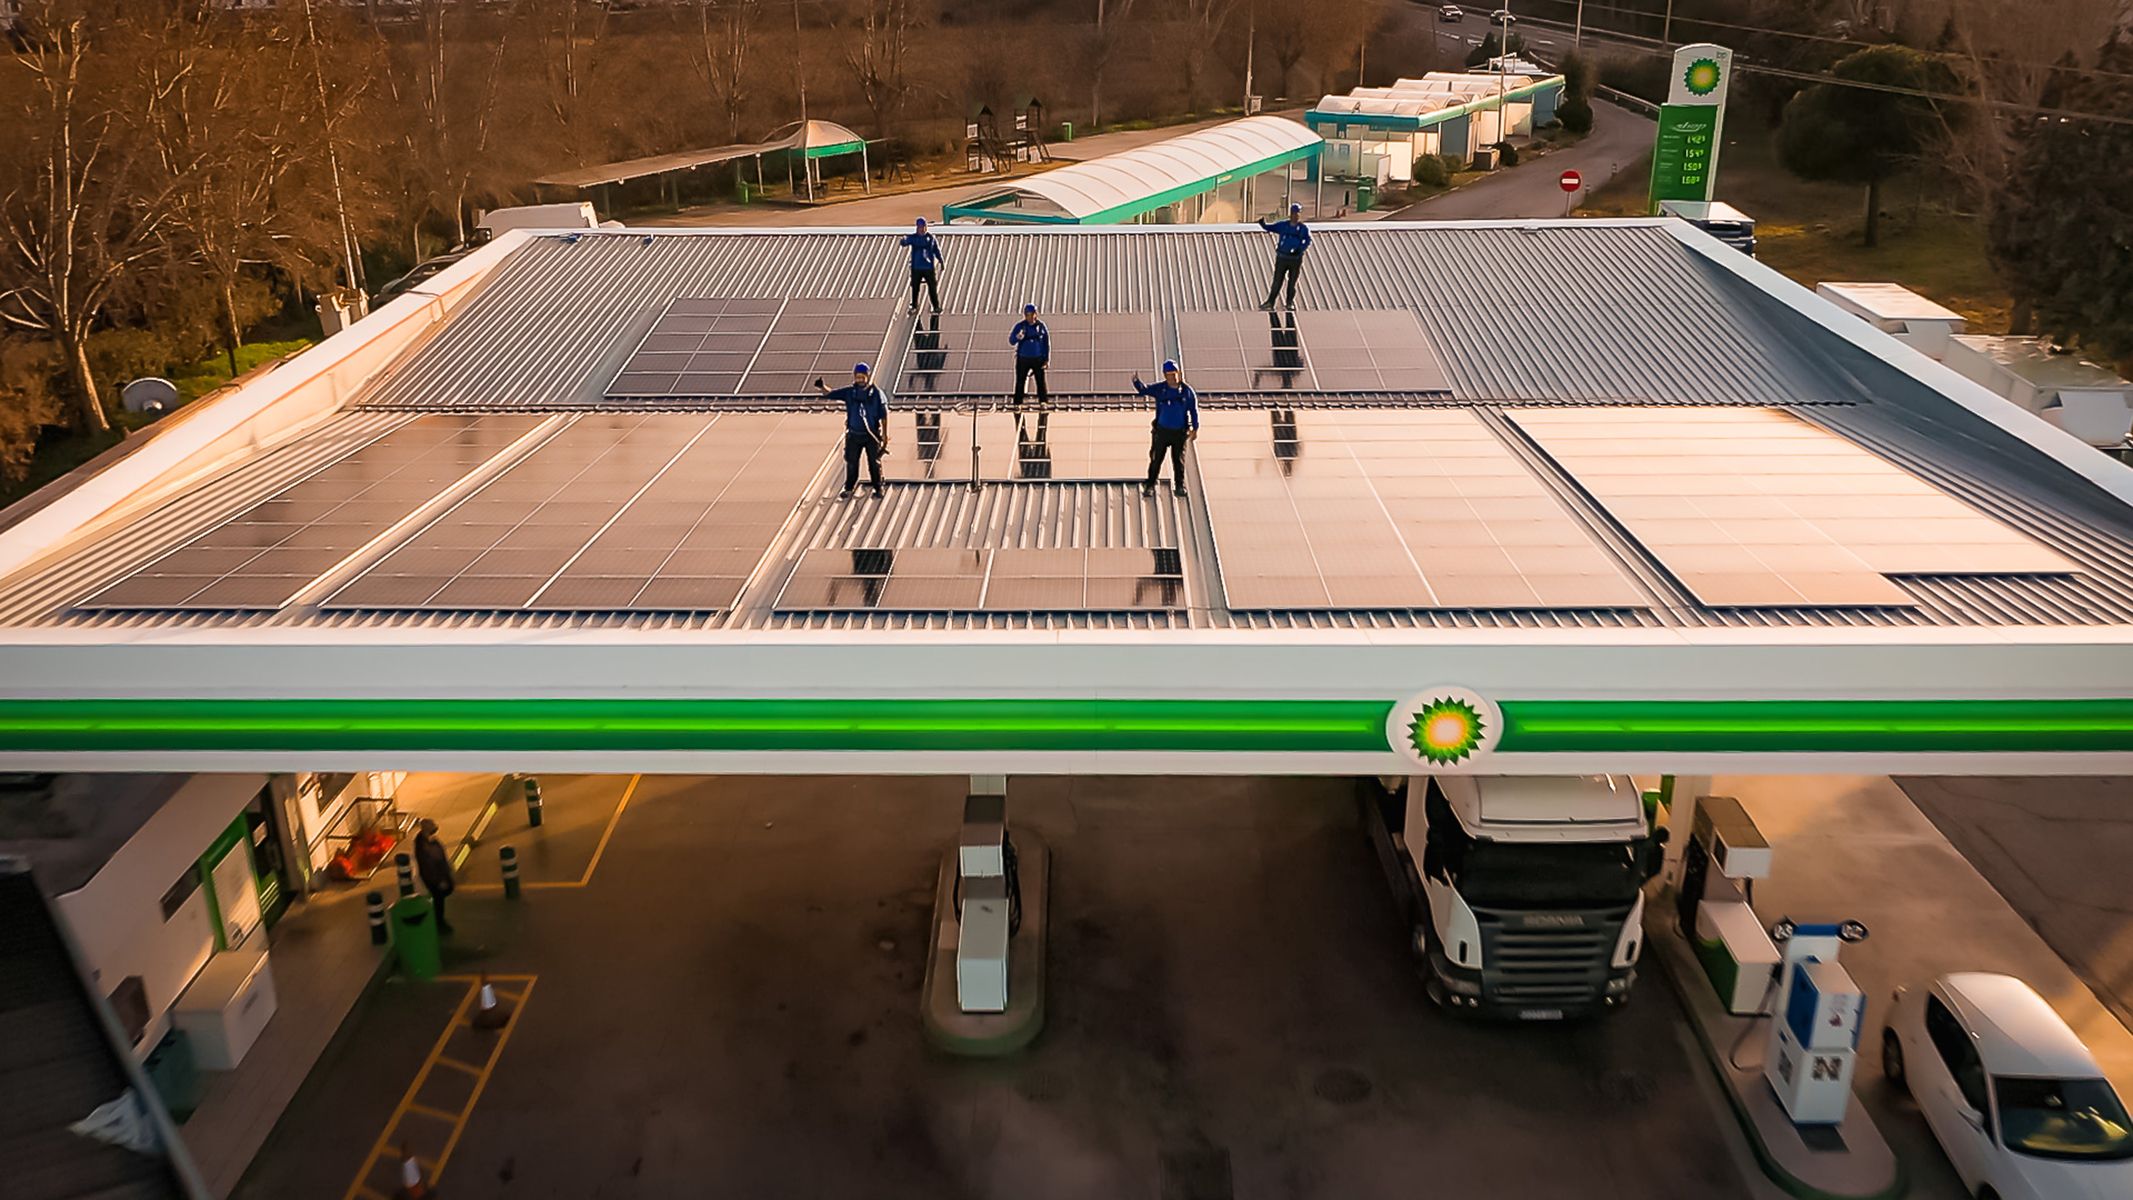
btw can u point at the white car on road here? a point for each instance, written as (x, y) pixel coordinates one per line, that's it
(2015, 1099)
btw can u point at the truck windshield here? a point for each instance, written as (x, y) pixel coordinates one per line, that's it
(2063, 1118)
(1550, 874)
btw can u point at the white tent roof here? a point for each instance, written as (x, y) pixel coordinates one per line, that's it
(809, 135)
(1099, 185)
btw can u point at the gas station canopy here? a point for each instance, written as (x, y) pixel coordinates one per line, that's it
(1621, 500)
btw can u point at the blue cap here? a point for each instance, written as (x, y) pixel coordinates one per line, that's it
(1029, 308)
(922, 220)
(1170, 364)
(862, 369)
(1296, 208)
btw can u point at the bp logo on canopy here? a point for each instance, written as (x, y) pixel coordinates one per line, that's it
(1444, 728)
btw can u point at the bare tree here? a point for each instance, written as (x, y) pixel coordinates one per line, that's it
(1204, 20)
(877, 55)
(569, 39)
(724, 39)
(79, 215)
(447, 103)
(1111, 17)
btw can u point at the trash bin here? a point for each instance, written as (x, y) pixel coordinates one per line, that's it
(1366, 194)
(1066, 131)
(745, 191)
(415, 937)
(176, 1076)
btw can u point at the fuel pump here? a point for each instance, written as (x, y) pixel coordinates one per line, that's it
(1814, 1030)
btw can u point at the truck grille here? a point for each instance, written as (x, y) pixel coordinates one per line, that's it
(1528, 963)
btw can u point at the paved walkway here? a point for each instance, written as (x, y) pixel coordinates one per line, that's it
(1619, 138)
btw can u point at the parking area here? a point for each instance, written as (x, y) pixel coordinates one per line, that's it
(730, 1003)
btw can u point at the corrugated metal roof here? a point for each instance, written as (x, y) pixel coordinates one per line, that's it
(1598, 312)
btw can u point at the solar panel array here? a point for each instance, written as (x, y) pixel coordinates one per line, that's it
(620, 511)
(1754, 507)
(262, 558)
(992, 580)
(1329, 350)
(712, 347)
(930, 444)
(1391, 508)
(967, 354)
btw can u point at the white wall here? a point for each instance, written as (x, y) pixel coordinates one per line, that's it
(117, 917)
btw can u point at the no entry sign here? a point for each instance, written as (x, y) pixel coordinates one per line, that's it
(1571, 181)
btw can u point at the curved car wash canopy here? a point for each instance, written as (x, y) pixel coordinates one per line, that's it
(1120, 187)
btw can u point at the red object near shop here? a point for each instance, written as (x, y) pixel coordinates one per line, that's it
(1571, 181)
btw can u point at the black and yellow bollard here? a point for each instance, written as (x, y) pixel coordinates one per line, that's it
(508, 857)
(376, 903)
(406, 867)
(533, 802)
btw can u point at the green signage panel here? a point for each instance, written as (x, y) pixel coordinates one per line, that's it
(1686, 152)
(1158, 725)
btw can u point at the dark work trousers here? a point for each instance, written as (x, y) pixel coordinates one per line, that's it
(930, 278)
(1172, 440)
(1026, 367)
(1286, 266)
(437, 904)
(856, 444)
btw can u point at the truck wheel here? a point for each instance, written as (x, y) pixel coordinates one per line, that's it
(1892, 1061)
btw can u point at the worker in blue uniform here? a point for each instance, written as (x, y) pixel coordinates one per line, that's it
(866, 427)
(1288, 252)
(1033, 349)
(925, 264)
(1177, 421)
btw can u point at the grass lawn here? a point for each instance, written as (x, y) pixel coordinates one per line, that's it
(205, 377)
(1811, 231)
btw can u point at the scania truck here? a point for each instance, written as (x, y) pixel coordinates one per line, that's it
(1523, 895)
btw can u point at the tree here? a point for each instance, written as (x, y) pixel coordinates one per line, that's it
(78, 213)
(877, 56)
(2061, 234)
(26, 404)
(1204, 23)
(1488, 48)
(1109, 33)
(1579, 76)
(569, 39)
(1860, 134)
(724, 36)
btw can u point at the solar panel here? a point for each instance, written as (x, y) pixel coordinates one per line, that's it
(934, 445)
(1337, 350)
(698, 346)
(1754, 507)
(620, 511)
(968, 354)
(1010, 580)
(819, 339)
(1391, 508)
(265, 556)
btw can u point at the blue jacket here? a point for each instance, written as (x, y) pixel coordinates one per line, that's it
(1030, 340)
(1295, 237)
(925, 251)
(1176, 407)
(866, 410)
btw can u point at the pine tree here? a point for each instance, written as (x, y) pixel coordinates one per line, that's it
(1864, 135)
(2064, 235)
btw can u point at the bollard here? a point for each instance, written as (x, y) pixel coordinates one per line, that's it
(376, 902)
(533, 802)
(406, 867)
(509, 859)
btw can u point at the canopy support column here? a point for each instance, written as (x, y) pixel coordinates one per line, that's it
(866, 171)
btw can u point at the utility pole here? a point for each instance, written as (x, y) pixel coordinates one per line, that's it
(1503, 83)
(1096, 82)
(1251, 43)
(799, 66)
(1577, 34)
(1666, 30)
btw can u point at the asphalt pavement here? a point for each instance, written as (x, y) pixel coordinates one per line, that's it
(730, 1007)
(1619, 140)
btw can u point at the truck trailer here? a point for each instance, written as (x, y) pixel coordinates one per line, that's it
(1523, 895)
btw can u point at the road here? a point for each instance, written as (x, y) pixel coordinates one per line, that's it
(1619, 138)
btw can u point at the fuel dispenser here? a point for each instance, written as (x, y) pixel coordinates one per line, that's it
(1725, 855)
(1814, 1033)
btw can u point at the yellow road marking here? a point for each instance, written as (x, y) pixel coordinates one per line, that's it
(386, 1145)
(598, 850)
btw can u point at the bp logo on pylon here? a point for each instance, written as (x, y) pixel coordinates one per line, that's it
(1702, 77)
(1444, 728)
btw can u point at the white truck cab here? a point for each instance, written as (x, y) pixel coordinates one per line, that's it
(1524, 893)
